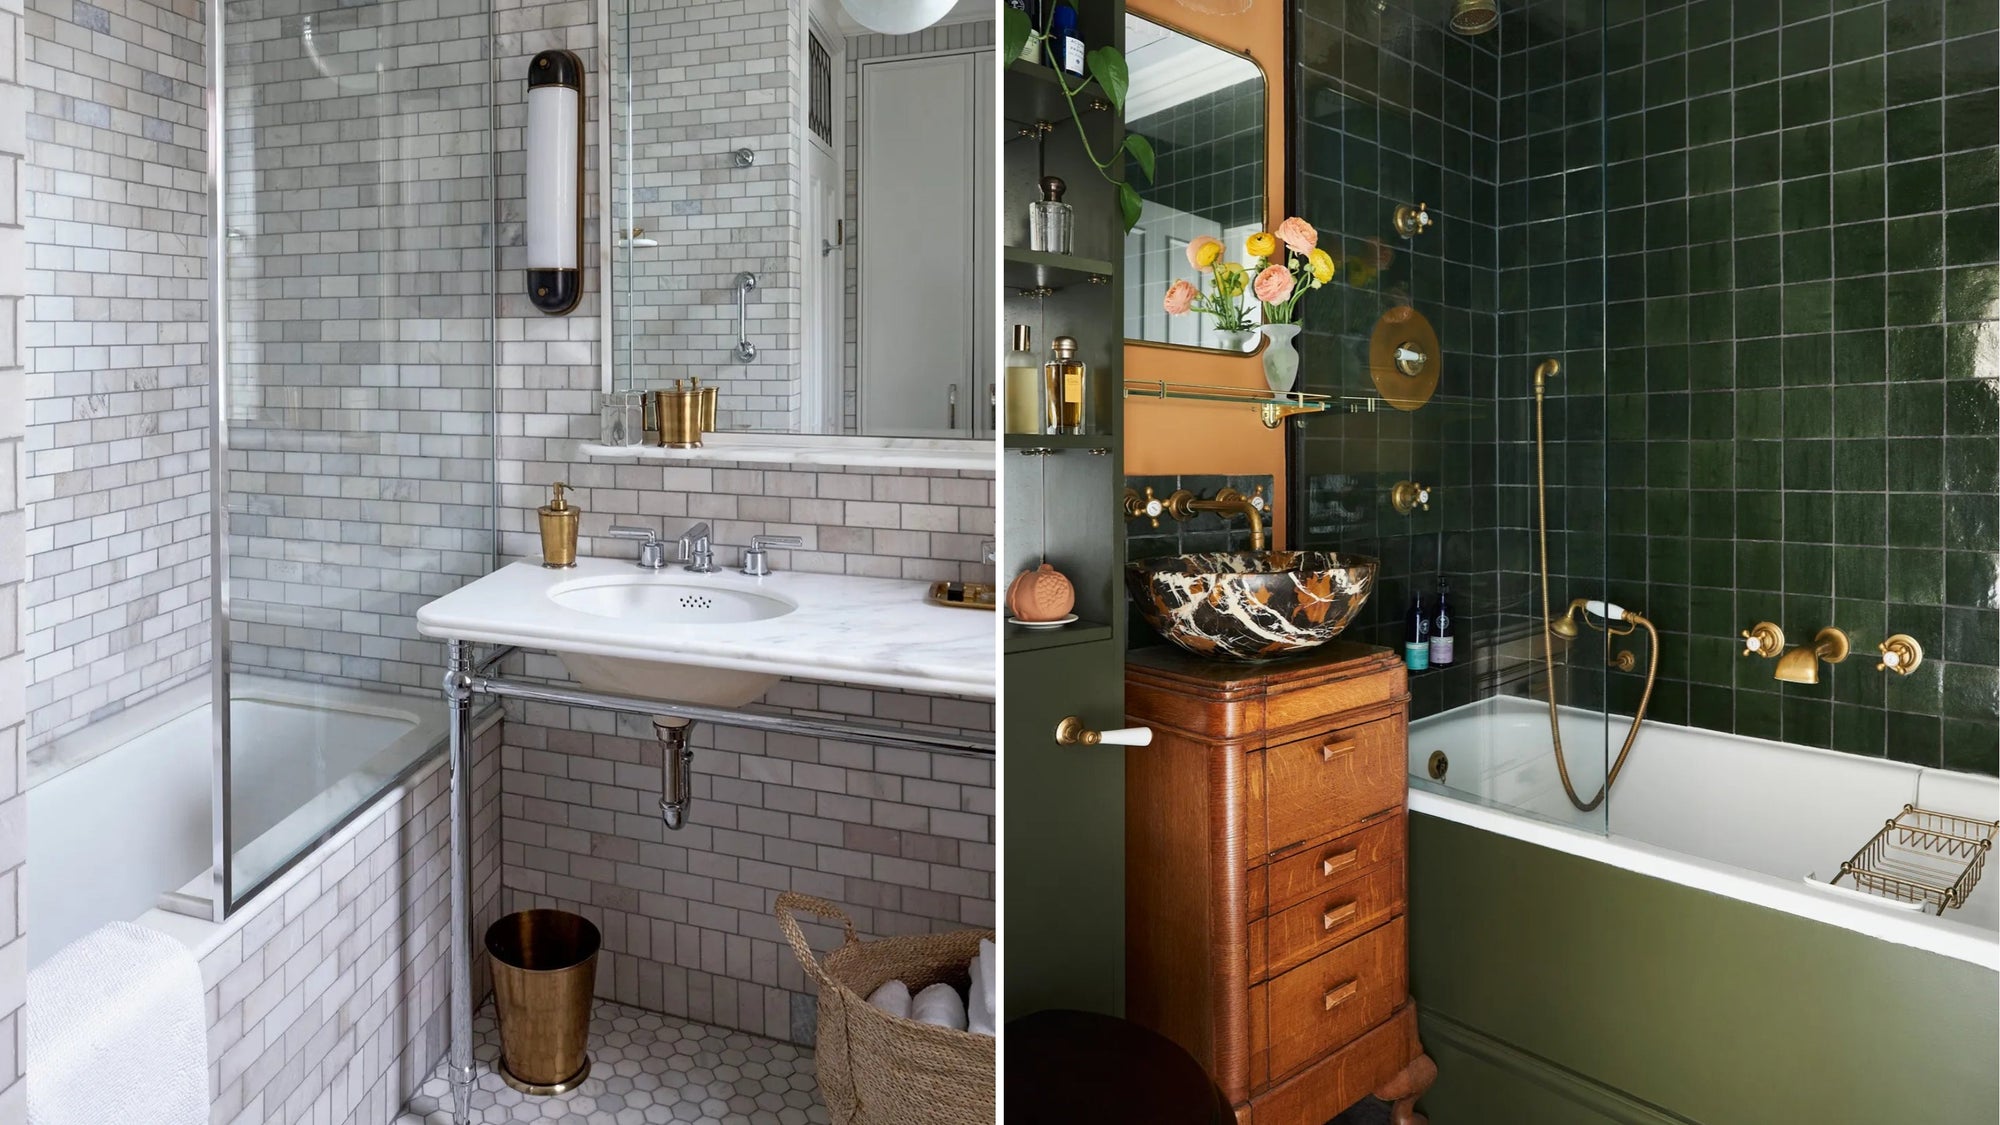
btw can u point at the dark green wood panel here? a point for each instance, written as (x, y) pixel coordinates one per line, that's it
(1064, 833)
(1713, 1009)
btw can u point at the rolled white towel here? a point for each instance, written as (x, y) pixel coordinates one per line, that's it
(117, 1030)
(940, 1006)
(893, 998)
(979, 1012)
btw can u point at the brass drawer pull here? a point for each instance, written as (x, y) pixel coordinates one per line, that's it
(1334, 750)
(1340, 915)
(1338, 860)
(1342, 993)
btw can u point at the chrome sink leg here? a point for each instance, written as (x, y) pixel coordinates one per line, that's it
(458, 695)
(677, 793)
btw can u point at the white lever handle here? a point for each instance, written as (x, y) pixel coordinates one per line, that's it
(1072, 732)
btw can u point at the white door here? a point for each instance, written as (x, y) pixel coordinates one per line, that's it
(918, 284)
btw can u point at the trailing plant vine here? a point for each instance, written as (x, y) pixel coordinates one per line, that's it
(1108, 71)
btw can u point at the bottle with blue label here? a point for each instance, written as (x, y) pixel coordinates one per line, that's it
(1065, 45)
(1417, 637)
(1441, 629)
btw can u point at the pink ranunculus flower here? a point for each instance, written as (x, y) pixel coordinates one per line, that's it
(1180, 297)
(1203, 251)
(1298, 235)
(1273, 284)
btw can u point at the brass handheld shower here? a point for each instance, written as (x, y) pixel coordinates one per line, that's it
(1565, 624)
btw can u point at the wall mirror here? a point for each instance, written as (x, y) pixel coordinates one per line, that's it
(1203, 110)
(803, 222)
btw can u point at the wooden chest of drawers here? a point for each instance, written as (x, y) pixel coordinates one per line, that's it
(1264, 872)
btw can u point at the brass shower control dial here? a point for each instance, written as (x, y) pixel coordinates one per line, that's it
(1412, 221)
(1151, 507)
(1407, 496)
(1764, 639)
(1900, 654)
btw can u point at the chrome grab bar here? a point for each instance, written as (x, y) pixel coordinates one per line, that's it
(745, 350)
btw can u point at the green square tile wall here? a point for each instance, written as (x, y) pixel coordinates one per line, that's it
(1764, 240)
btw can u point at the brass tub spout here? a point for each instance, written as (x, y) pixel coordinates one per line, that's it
(1801, 665)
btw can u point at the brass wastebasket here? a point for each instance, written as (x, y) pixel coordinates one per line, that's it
(544, 967)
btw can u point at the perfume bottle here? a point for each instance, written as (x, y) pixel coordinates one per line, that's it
(1025, 412)
(1064, 386)
(1442, 639)
(1049, 218)
(1065, 45)
(1031, 51)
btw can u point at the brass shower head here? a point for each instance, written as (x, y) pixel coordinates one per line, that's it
(1474, 17)
(1565, 625)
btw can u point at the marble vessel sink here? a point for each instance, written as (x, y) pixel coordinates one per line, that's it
(1250, 605)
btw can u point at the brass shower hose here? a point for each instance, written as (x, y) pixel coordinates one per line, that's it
(1547, 368)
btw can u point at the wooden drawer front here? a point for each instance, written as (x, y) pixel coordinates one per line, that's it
(1318, 924)
(1326, 1002)
(1298, 877)
(1323, 784)
(1287, 708)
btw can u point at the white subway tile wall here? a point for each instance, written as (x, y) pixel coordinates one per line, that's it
(117, 441)
(329, 1004)
(717, 78)
(13, 566)
(360, 357)
(949, 37)
(770, 813)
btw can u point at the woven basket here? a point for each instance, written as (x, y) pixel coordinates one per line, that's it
(879, 1069)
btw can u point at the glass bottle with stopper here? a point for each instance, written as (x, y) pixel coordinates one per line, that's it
(1050, 219)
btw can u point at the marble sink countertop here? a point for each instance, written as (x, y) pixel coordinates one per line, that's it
(872, 632)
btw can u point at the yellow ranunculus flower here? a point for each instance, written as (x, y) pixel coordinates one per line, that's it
(1230, 280)
(1321, 264)
(1261, 244)
(1205, 253)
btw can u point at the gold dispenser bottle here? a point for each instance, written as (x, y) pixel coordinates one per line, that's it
(1065, 387)
(559, 523)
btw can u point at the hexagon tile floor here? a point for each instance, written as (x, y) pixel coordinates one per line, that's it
(646, 1069)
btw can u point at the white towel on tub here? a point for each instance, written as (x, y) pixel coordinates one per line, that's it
(117, 1031)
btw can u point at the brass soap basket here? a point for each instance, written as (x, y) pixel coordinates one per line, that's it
(1932, 859)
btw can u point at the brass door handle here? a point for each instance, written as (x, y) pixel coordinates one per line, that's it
(1338, 860)
(1341, 993)
(1072, 732)
(1340, 915)
(1334, 750)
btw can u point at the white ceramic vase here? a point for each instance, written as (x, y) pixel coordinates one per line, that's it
(1281, 359)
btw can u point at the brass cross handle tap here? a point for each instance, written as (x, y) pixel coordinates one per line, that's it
(1407, 496)
(1151, 507)
(1900, 654)
(1763, 639)
(1412, 221)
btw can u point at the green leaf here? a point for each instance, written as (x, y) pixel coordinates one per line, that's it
(1129, 205)
(1108, 67)
(1142, 151)
(1016, 34)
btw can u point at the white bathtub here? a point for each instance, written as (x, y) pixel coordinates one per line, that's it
(1742, 817)
(123, 807)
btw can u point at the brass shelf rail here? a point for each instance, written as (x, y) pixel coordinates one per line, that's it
(1273, 407)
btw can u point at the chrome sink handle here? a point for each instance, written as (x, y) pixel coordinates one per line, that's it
(652, 552)
(697, 553)
(756, 563)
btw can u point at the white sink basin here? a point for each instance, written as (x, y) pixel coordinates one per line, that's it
(657, 599)
(648, 597)
(722, 639)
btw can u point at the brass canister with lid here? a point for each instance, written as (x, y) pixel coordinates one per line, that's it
(677, 414)
(559, 525)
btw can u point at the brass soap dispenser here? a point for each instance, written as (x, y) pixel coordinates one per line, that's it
(559, 521)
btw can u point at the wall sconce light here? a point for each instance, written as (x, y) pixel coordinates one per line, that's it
(555, 181)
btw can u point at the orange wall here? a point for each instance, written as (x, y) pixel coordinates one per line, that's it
(1188, 437)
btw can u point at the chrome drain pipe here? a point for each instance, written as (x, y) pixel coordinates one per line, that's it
(677, 787)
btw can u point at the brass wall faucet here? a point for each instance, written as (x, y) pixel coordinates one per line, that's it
(1182, 505)
(1801, 665)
